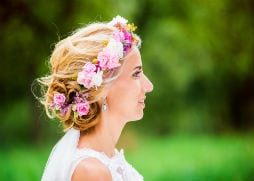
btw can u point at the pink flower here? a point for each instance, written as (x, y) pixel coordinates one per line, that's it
(86, 79)
(108, 59)
(113, 63)
(118, 36)
(59, 99)
(82, 108)
(89, 67)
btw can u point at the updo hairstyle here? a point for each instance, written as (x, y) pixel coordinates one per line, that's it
(67, 59)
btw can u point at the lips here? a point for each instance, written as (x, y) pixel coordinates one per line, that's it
(142, 101)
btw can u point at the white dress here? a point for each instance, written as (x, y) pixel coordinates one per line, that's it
(119, 168)
(65, 157)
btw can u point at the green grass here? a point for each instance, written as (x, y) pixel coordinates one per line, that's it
(22, 163)
(173, 158)
(179, 158)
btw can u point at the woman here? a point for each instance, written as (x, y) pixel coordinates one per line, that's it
(95, 87)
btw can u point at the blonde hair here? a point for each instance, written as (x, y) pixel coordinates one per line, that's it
(67, 59)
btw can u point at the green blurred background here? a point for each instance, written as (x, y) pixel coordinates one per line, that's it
(199, 120)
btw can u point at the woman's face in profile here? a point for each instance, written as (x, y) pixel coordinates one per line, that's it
(126, 96)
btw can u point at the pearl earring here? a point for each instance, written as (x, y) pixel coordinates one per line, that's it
(104, 106)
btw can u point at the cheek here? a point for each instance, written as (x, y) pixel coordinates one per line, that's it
(131, 90)
(124, 96)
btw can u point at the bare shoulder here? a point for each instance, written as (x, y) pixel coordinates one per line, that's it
(91, 169)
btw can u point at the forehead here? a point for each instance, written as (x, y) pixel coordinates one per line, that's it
(132, 60)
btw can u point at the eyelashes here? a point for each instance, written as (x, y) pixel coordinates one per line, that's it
(136, 74)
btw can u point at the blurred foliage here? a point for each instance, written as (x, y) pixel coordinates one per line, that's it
(198, 54)
(201, 63)
(177, 158)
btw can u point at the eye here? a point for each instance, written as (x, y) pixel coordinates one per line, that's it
(136, 74)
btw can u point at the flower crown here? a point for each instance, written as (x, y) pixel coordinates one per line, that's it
(93, 72)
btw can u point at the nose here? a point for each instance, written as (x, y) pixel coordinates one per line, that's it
(147, 84)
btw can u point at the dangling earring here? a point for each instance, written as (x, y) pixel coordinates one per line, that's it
(104, 106)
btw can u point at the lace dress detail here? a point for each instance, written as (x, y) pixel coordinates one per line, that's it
(119, 168)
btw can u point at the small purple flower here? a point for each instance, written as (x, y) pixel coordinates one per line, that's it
(64, 110)
(127, 48)
(80, 97)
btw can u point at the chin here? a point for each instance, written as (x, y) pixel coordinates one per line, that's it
(138, 117)
(134, 116)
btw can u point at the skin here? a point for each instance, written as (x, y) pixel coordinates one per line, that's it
(125, 98)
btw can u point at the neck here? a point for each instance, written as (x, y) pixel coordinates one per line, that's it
(105, 135)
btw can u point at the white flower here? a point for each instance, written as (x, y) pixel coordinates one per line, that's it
(97, 78)
(118, 19)
(116, 47)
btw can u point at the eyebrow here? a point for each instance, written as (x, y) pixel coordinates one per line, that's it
(138, 67)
